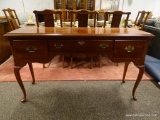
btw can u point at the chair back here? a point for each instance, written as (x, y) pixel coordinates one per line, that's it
(82, 17)
(141, 19)
(47, 16)
(116, 18)
(12, 18)
(100, 15)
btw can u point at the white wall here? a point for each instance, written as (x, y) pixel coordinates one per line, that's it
(134, 6)
(27, 6)
(31, 5)
(15, 4)
(156, 9)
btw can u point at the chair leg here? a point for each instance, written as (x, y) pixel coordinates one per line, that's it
(49, 63)
(91, 63)
(116, 64)
(32, 72)
(71, 62)
(43, 65)
(100, 62)
(63, 60)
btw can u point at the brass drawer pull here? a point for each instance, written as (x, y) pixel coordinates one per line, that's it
(31, 49)
(103, 45)
(81, 42)
(129, 49)
(58, 45)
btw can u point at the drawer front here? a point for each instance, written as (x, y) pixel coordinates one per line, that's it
(81, 46)
(30, 49)
(129, 49)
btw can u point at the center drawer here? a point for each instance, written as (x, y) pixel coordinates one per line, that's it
(80, 46)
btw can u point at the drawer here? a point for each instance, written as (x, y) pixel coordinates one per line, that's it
(30, 49)
(129, 49)
(81, 46)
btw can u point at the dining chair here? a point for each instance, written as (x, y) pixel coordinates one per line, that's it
(12, 18)
(82, 16)
(100, 18)
(47, 16)
(65, 16)
(115, 19)
(141, 19)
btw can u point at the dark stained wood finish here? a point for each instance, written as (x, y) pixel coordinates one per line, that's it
(116, 18)
(12, 18)
(48, 16)
(74, 4)
(141, 19)
(32, 44)
(82, 17)
(5, 49)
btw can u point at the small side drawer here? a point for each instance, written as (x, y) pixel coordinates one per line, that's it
(129, 49)
(30, 49)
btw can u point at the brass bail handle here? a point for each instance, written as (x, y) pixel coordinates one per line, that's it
(129, 48)
(31, 49)
(58, 45)
(81, 42)
(103, 45)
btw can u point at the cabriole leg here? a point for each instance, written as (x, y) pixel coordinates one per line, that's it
(19, 80)
(139, 78)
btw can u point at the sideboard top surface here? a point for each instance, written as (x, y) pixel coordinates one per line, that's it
(77, 32)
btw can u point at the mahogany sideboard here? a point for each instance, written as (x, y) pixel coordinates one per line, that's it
(33, 44)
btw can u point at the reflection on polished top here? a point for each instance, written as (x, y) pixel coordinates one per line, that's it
(74, 31)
